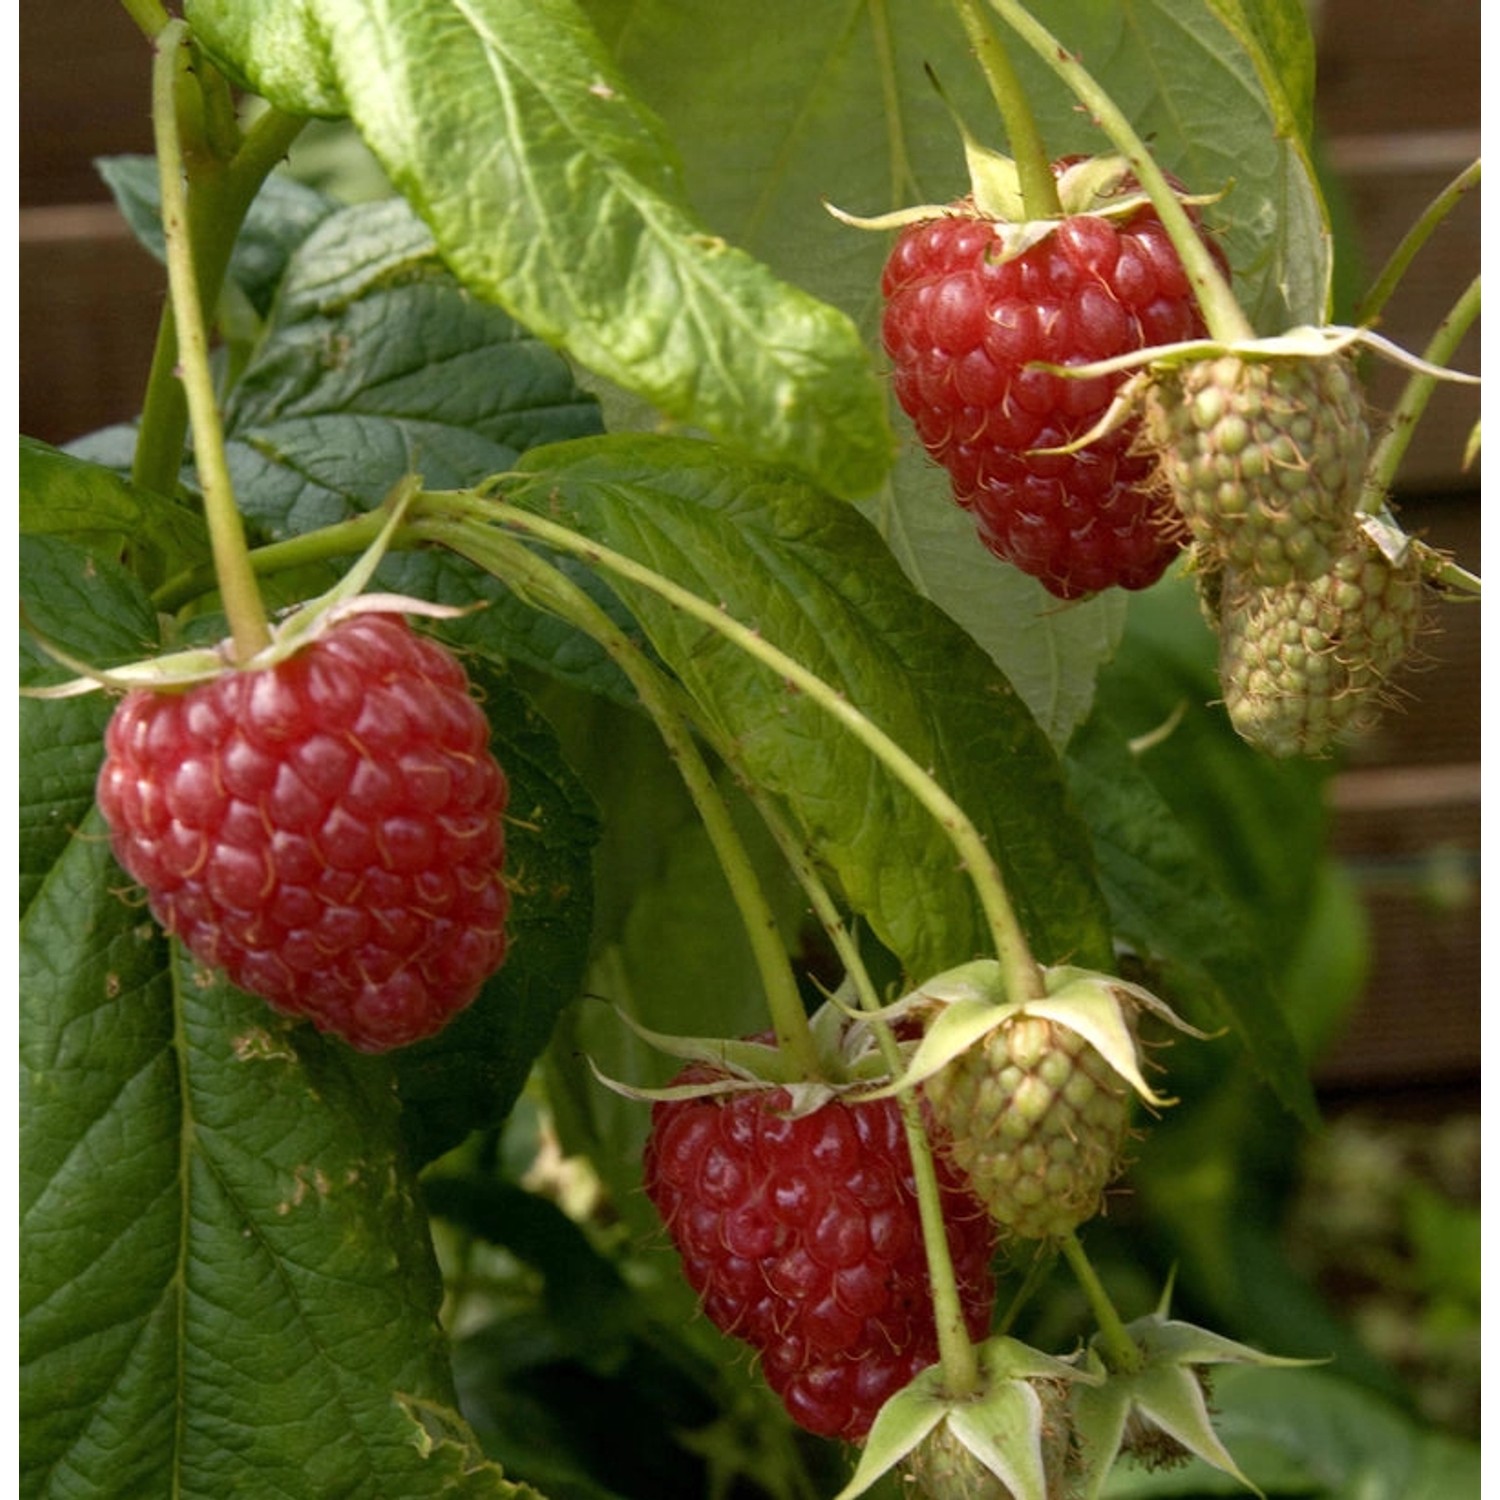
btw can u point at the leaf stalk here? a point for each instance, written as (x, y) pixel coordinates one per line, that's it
(1385, 462)
(1027, 149)
(1022, 975)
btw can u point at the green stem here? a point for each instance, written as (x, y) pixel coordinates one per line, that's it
(903, 179)
(221, 196)
(1459, 586)
(1027, 149)
(956, 1352)
(1036, 1274)
(1023, 978)
(342, 539)
(1225, 318)
(242, 602)
(1385, 462)
(149, 15)
(1120, 1350)
(164, 422)
(1401, 257)
(543, 586)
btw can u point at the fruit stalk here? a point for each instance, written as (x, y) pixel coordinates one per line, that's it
(1120, 1350)
(222, 192)
(542, 585)
(242, 602)
(149, 15)
(956, 1352)
(1023, 978)
(1385, 462)
(1033, 165)
(1412, 241)
(1225, 318)
(326, 544)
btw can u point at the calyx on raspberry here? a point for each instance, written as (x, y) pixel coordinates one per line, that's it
(976, 302)
(1164, 1393)
(1012, 1439)
(1032, 1098)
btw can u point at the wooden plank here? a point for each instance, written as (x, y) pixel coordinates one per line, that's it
(85, 91)
(1390, 63)
(89, 304)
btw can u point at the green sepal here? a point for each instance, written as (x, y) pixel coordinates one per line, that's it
(1305, 342)
(1090, 1003)
(1165, 1391)
(745, 1059)
(1093, 1005)
(1001, 1426)
(750, 1065)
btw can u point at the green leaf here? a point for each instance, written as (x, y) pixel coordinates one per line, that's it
(151, 535)
(92, 608)
(276, 47)
(225, 1266)
(777, 108)
(1050, 652)
(1168, 905)
(812, 578)
(375, 364)
(1278, 36)
(553, 194)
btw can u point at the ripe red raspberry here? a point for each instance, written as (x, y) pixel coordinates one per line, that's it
(961, 325)
(802, 1237)
(326, 830)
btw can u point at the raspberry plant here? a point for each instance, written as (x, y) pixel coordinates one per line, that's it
(595, 397)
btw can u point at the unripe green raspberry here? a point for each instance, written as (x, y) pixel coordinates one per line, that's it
(1306, 664)
(1264, 457)
(941, 1466)
(1036, 1119)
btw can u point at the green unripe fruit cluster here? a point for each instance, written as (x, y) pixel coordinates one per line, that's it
(941, 1467)
(1304, 664)
(1036, 1119)
(1264, 458)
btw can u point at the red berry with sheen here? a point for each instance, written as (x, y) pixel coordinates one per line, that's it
(961, 326)
(802, 1237)
(326, 830)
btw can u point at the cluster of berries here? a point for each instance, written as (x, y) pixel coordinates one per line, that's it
(1256, 462)
(1266, 460)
